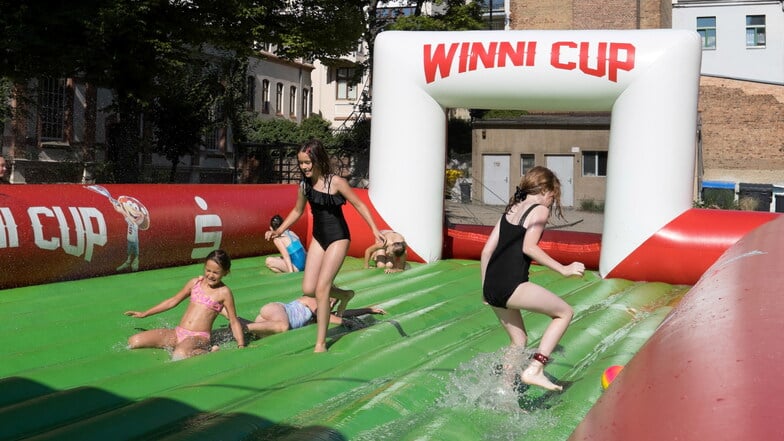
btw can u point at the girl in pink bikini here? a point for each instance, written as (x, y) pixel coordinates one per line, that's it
(208, 296)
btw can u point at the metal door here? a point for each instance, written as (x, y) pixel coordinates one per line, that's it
(563, 167)
(495, 173)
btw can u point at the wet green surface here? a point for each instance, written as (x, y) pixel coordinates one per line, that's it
(421, 372)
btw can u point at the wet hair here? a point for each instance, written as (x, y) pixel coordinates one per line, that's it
(318, 155)
(221, 258)
(538, 180)
(276, 221)
(398, 248)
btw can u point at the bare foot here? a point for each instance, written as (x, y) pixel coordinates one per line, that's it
(320, 348)
(343, 296)
(215, 348)
(534, 376)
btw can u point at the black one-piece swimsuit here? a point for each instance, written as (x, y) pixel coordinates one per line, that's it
(508, 266)
(329, 224)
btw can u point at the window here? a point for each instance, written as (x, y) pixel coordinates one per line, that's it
(526, 163)
(279, 99)
(251, 94)
(215, 136)
(265, 97)
(755, 30)
(594, 163)
(267, 47)
(52, 108)
(305, 103)
(493, 14)
(292, 101)
(347, 88)
(706, 27)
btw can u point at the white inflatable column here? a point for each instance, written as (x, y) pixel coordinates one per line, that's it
(408, 139)
(651, 160)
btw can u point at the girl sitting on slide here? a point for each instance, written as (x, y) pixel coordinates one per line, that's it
(292, 252)
(208, 297)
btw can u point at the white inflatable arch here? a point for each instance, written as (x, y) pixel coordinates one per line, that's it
(649, 79)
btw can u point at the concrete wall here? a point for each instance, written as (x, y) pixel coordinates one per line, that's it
(542, 135)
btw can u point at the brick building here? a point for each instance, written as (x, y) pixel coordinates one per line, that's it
(590, 14)
(743, 134)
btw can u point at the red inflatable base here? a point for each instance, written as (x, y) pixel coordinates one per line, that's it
(712, 371)
(682, 250)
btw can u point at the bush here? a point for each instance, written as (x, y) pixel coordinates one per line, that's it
(592, 206)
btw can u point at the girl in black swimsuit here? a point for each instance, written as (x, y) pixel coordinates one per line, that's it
(505, 260)
(326, 193)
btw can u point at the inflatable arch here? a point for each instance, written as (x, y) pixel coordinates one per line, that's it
(648, 79)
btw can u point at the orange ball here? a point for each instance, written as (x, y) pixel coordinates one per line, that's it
(609, 375)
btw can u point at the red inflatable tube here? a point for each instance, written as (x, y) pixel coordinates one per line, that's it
(467, 241)
(712, 371)
(682, 250)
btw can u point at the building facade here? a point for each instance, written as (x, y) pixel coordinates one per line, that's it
(279, 88)
(573, 146)
(742, 40)
(61, 128)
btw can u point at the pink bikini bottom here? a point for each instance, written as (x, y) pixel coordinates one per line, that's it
(183, 333)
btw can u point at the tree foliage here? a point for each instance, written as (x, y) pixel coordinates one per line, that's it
(455, 15)
(459, 136)
(181, 113)
(96, 38)
(275, 131)
(137, 48)
(449, 15)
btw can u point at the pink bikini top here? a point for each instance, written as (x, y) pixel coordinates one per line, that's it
(198, 296)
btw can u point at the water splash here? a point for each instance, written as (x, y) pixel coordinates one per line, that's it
(489, 384)
(481, 401)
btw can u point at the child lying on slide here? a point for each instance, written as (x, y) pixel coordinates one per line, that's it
(278, 317)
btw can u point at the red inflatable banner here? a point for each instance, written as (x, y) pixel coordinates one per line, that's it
(51, 233)
(59, 232)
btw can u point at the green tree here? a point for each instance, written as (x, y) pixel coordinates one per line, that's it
(451, 15)
(273, 131)
(130, 46)
(182, 111)
(456, 15)
(459, 136)
(315, 127)
(6, 87)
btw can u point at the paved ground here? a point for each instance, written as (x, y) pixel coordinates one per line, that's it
(480, 214)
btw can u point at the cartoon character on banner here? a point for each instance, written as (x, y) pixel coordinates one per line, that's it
(136, 216)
